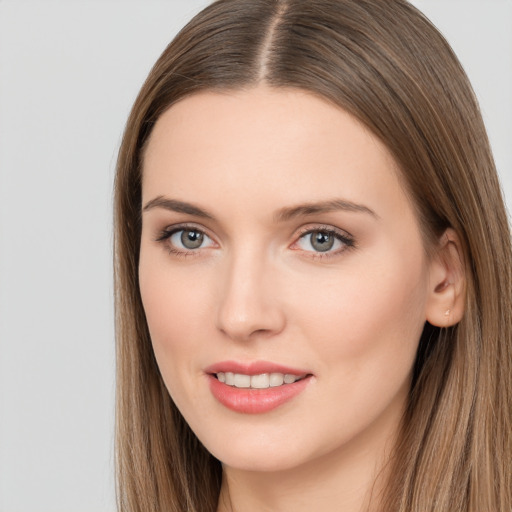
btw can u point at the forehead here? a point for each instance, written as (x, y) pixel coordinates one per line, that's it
(267, 145)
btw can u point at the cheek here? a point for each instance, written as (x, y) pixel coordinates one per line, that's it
(369, 314)
(170, 305)
(174, 303)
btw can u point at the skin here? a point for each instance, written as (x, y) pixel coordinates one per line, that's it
(258, 290)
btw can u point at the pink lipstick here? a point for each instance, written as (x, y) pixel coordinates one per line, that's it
(257, 387)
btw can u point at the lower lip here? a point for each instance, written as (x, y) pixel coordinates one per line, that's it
(255, 401)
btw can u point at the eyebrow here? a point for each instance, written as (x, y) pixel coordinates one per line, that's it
(176, 206)
(332, 205)
(283, 215)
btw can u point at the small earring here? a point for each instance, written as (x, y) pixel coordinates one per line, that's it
(447, 312)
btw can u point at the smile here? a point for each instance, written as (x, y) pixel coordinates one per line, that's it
(257, 387)
(261, 381)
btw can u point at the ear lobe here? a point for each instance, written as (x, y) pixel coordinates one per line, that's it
(447, 283)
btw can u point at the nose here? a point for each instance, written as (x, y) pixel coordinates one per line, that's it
(249, 304)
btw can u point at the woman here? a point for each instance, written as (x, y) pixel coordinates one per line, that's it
(313, 270)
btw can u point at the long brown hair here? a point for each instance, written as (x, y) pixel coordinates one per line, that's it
(383, 62)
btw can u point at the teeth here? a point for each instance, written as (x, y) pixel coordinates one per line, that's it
(276, 379)
(242, 381)
(289, 379)
(261, 381)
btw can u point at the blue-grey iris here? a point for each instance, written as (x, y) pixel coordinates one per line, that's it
(191, 239)
(322, 241)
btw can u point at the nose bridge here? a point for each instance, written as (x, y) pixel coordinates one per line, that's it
(248, 304)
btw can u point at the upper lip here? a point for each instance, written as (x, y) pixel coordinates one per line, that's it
(253, 368)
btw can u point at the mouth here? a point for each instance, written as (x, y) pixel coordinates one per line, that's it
(259, 381)
(257, 387)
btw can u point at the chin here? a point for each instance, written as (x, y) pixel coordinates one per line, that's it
(254, 461)
(252, 453)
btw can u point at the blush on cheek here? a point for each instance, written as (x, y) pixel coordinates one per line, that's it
(366, 324)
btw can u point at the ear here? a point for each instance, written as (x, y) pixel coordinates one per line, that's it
(447, 282)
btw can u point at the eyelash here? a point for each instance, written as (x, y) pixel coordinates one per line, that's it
(344, 238)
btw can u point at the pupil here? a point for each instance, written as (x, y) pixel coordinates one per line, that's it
(322, 241)
(191, 239)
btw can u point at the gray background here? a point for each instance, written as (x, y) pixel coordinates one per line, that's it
(69, 71)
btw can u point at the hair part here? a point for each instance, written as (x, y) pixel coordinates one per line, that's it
(455, 446)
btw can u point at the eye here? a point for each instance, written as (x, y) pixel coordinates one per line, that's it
(182, 240)
(324, 241)
(188, 238)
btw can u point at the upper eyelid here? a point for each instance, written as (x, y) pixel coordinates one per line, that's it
(174, 228)
(309, 228)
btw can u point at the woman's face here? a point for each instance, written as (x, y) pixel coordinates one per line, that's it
(280, 252)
